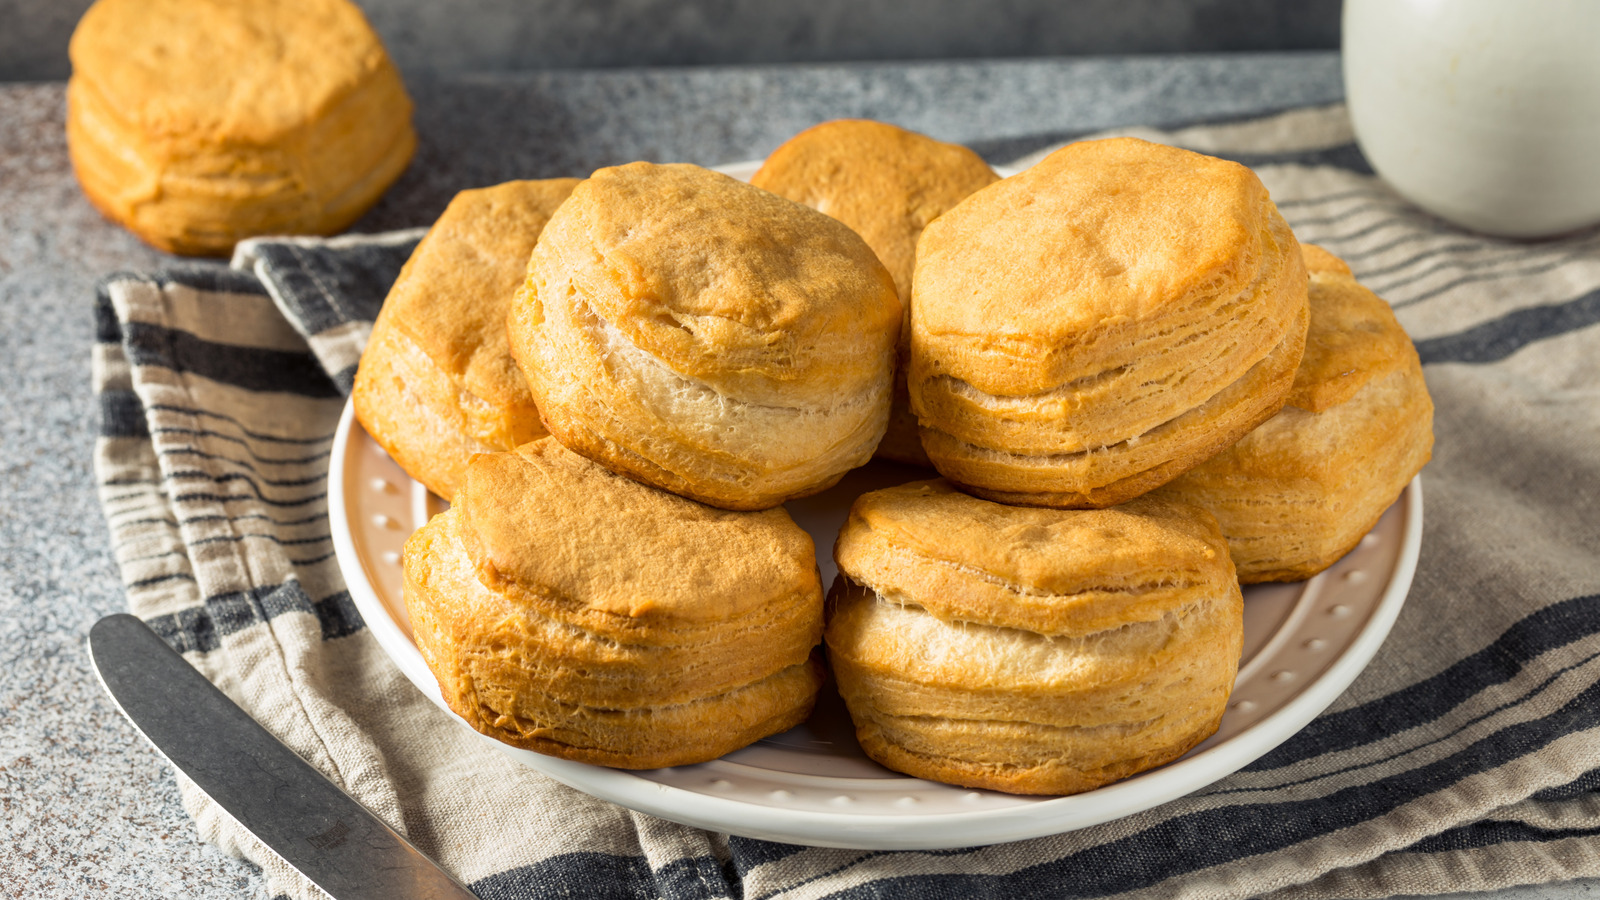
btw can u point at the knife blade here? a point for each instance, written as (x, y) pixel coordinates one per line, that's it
(283, 800)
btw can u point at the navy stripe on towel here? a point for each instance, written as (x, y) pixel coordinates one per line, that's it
(1490, 832)
(202, 628)
(209, 497)
(122, 415)
(263, 460)
(107, 330)
(252, 368)
(1584, 785)
(749, 853)
(209, 279)
(329, 287)
(345, 378)
(1344, 156)
(240, 426)
(160, 579)
(338, 615)
(572, 876)
(1499, 338)
(255, 481)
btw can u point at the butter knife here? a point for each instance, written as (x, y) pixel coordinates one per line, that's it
(283, 800)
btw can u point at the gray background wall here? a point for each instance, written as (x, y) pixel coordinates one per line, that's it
(437, 36)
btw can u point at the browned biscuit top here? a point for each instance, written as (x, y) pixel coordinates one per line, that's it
(885, 182)
(451, 298)
(1045, 570)
(224, 70)
(548, 525)
(719, 279)
(1133, 229)
(1354, 337)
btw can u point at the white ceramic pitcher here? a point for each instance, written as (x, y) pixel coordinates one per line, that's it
(1484, 112)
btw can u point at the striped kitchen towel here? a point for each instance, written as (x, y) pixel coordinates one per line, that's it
(1467, 756)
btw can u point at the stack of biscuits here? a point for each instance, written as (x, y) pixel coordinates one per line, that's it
(627, 590)
(572, 611)
(1138, 387)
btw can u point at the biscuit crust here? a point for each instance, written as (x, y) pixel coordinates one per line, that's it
(1031, 650)
(707, 337)
(574, 612)
(198, 124)
(1105, 476)
(887, 184)
(437, 383)
(1152, 307)
(1299, 492)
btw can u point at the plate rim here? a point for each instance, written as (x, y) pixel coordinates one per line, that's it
(912, 831)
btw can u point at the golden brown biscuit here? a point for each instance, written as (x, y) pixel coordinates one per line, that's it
(437, 383)
(707, 337)
(571, 611)
(1035, 651)
(198, 124)
(1298, 493)
(887, 184)
(1093, 327)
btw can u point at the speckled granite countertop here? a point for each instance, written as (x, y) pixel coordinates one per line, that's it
(86, 807)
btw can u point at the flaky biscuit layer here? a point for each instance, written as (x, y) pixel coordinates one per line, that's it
(1105, 476)
(1031, 650)
(1072, 314)
(574, 612)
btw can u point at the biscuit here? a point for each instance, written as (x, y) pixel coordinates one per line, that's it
(1299, 492)
(1093, 327)
(1028, 650)
(573, 612)
(437, 383)
(198, 124)
(887, 184)
(707, 337)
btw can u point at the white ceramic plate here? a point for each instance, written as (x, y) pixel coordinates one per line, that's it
(1303, 645)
